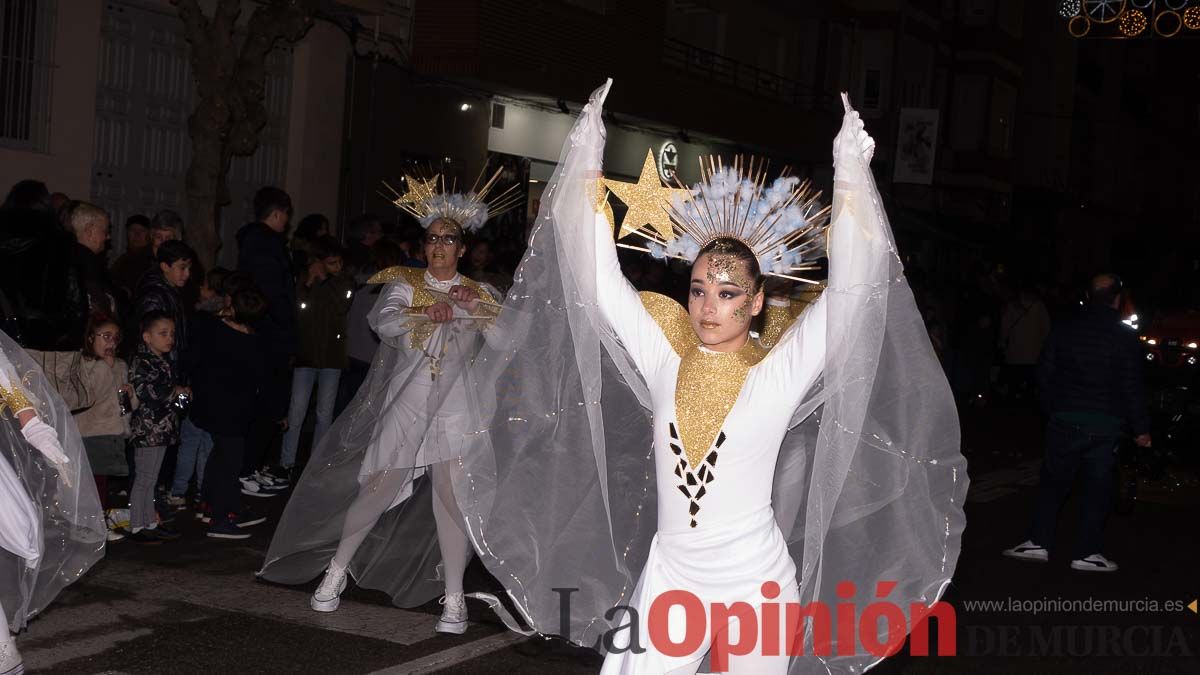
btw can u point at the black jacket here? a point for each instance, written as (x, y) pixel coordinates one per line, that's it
(263, 254)
(1092, 362)
(42, 301)
(154, 294)
(226, 368)
(103, 296)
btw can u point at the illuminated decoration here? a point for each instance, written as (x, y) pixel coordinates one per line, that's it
(1130, 19)
(1168, 23)
(668, 161)
(1133, 23)
(1104, 11)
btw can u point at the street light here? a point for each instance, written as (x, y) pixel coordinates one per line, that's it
(465, 107)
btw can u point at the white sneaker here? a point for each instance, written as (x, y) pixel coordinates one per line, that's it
(328, 595)
(253, 488)
(454, 614)
(10, 658)
(1028, 551)
(113, 535)
(1094, 563)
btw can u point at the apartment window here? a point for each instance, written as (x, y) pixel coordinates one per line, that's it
(26, 32)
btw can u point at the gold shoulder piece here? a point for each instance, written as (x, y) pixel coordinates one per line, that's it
(776, 320)
(672, 318)
(412, 275)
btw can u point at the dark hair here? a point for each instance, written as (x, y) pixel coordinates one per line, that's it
(28, 194)
(326, 247)
(249, 305)
(152, 317)
(386, 253)
(237, 281)
(96, 321)
(309, 226)
(137, 219)
(359, 226)
(167, 220)
(216, 279)
(268, 200)
(728, 246)
(173, 250)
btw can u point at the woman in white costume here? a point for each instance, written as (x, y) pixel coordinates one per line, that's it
(51, 526)
(354, 510)
(649, 448)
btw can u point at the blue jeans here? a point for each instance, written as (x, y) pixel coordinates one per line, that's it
(303, 380)
(1072, 450)
(194, 446)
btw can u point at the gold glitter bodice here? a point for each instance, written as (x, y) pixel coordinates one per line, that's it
(422, 298)
(708, 383)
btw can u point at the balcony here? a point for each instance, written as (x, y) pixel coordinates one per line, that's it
(722, 70)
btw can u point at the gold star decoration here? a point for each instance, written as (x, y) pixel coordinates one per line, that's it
(647, 200)
(418, 190)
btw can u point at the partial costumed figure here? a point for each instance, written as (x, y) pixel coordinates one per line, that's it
(635, 455)
(51, 526)
(359, 508)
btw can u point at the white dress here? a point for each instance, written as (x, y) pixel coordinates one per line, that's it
(401, 438)
(717, 535)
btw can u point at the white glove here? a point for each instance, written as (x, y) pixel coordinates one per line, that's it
(43, 437)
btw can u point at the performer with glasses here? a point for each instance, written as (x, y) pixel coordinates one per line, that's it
(359, 509)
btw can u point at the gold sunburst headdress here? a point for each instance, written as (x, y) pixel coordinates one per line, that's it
(783, 223)
(428, 200)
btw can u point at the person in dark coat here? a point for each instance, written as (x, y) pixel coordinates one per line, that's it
(158, 291)
(138, 257)
(226, 365)
(43, 304)
(263, 256)
(89, 223)
(1090, 383)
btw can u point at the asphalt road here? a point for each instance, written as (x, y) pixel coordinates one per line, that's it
(194, 605)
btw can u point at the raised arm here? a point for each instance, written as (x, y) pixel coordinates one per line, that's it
(622, 310)
(860, 259)
(37, 433)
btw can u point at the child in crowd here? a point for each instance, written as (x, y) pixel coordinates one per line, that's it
(227, 365)
(155, 424)
(195, 444)
(95, 384)
(324, 298)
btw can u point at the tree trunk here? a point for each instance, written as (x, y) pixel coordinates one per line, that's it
(230, 111)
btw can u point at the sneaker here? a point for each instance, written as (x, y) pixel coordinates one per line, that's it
(113, 535)
(454, 614)
(202, 513)
(276, 476)
(141, 537)
(253, 488)
(163, 532)
(10, 659)
(178, 503)
(223, 529)
(246, 519)
(117, 519)
(328, 595)
(1028, 551)
(1094, 563)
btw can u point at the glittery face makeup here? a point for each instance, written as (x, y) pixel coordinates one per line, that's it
(722, 301)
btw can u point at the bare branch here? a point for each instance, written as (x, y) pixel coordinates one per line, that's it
(194, 22)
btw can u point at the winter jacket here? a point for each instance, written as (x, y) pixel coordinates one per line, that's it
(42, 302)
(263, 254)
(156, 295)
(226, 368)
(89, 388)
(156, 421)
(323, 310)
(1092, 363)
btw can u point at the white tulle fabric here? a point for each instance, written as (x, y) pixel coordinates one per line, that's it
(559, 488)
(51, 526)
